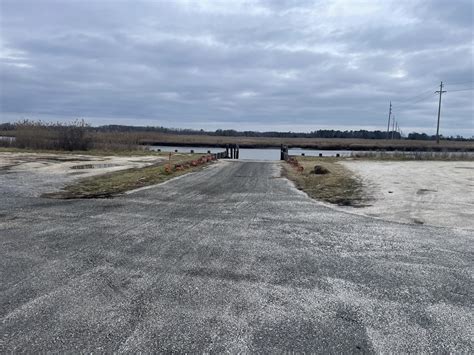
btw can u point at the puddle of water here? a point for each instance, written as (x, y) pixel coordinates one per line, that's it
(93, 166)
(6, 138)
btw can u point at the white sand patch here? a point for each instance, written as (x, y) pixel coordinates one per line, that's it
(31, 174)
(439, 193)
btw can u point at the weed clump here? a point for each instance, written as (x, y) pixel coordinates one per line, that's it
(332, 183)
(320, 170)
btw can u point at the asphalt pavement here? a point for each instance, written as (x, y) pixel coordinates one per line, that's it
(228, 259)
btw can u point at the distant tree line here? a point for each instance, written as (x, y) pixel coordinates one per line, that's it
(323, 133)
(426, 137)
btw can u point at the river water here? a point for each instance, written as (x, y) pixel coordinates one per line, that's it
(255, 153)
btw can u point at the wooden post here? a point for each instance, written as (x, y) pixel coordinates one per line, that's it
(284, 152)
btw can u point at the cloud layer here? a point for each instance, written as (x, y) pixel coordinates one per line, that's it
(268, 65)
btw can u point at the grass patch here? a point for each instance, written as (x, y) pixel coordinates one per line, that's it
(339, 186)
(118, 182)
(407, 156)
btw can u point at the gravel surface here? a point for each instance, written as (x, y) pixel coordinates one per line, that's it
(438, 193)
(231, 258)
(32, 174)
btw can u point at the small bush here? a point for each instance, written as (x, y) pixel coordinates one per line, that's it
(320, 170)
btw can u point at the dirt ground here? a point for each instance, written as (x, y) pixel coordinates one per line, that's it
(228, 259)
(438, 193)
(32, 174)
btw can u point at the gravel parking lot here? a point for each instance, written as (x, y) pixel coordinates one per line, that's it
(438, 193)
(230, 258)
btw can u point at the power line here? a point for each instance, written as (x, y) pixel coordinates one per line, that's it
(418, 98)
(430, 92)
(426, 94)
(422, 99)
(466, 89)
(461, 83)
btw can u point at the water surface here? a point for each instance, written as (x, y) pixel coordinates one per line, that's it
(254, 153)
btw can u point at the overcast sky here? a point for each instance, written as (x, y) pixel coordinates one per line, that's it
(265, 65)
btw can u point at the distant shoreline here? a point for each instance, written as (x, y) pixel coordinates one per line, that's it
(317, 144)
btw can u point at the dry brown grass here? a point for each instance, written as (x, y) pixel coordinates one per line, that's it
(95, 152)
(118, 182)
(315, 143)
(134, 140)
(397, 156)
(339, 186)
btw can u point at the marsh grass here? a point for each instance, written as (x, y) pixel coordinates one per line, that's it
(401, 156)
(340, 186)
(142, 151)
(58, 136)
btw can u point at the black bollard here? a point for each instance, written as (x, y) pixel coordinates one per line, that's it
(176, 150)
(192, 151)
(320, 154)
(338, 155)
(302, 154)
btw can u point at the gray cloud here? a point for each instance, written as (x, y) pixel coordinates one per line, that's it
(292, 65)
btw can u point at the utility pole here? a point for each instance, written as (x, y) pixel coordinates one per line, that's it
(439, 109)
(389, 116)
(393, 126)
(396, 127)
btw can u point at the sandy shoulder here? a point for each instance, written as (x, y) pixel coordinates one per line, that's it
(439, 193)
(31, 174)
